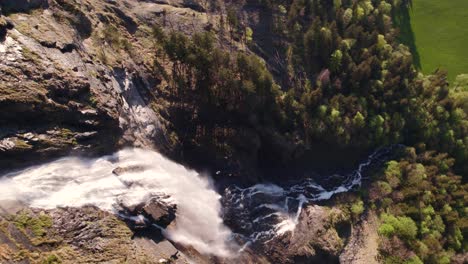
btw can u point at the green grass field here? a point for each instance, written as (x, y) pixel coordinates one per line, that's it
(437, 33)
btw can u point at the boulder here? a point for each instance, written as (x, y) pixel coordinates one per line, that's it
(319, 237)
(122, 170)
(155, 212)
(460, 258)
(159, 212)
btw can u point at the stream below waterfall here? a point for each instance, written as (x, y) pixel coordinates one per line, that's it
(255, 214)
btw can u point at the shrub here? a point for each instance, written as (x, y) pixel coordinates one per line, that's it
(357, 208)
(386, 230)
(393, 169)
(384, 188)
(414, 260)
(248, 34)
(52, 259)
(404, 227)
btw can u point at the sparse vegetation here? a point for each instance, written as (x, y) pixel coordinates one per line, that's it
(52, 259)
(37, 224)
(357, 208)
(30, 55)
(111, 36)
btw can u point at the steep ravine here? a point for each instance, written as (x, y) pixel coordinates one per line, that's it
(160, 199)
(71, 86)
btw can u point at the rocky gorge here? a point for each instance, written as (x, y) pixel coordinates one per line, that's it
(106, 159)
(67, 89)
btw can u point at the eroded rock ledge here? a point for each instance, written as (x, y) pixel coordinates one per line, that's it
(75, 73)
(78, 235)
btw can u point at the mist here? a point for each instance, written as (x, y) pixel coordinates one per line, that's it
(76, 182)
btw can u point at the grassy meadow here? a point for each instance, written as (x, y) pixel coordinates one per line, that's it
(437, 33)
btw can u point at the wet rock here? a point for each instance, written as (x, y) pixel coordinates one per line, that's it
(89, 112)
(86, 135)
(155, 211)
(162, 252)
(6, 144)
(315, 239)
(129, 169)
(160, 213)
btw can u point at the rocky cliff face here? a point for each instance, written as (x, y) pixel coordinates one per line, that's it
(76, 73)
(72, 81)
(50, 103)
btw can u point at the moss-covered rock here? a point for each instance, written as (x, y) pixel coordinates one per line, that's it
(76, 235)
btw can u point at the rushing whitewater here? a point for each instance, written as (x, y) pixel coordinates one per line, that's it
(264, 211)
(76, 182)
(256, 214)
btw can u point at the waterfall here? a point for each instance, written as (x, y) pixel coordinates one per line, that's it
(265, 211)
(140, 123)
(258, 213)
(77, 182)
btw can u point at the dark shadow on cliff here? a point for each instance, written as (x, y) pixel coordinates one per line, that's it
(151, 233)
(402, 20)
(320, 257)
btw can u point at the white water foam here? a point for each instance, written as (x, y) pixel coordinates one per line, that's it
(265, 211)
(258, 213)
(76, 182)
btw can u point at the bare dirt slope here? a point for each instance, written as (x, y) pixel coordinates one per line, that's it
(363, 244)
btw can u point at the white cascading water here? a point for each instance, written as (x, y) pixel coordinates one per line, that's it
(257, 214)
(265, 211)
(76, 182)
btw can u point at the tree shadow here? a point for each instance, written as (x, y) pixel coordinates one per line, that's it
(402, 20)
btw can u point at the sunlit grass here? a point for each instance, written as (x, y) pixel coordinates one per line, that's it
(437, 31)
